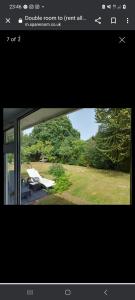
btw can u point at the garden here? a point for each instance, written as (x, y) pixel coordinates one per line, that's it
(85, 172)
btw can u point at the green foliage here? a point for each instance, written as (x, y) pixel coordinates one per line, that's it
(62, 184)
(95, 158)
(78, 156)
(57, 170)
(33, 152)
(55, 131)
(48, 151)
(114, 137)
(66, 150)
(46, 141)
(27, 139)
(124, 166)
(10, 158)
(61, 178)
(36, 151)
(71, 151)
(58, 142)
(110, 148)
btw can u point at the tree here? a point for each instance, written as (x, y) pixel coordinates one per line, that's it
(114, 136)
(33, 152)
(66, 151)
(48, 151)
(71, 151)
(96, 158)
(56, 132)
(27, 139)
(36, 151)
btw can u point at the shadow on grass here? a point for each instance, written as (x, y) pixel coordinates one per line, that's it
(53, 200)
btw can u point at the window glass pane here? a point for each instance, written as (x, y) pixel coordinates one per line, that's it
(35, 184)
(76, 156)
(9, 136)
(10, 182)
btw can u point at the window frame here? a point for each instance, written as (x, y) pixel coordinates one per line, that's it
(14, 147)
(8, 148)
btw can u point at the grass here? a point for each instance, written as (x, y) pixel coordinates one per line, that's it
(53, 200)
(89, 186)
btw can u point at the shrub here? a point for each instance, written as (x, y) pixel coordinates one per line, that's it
(57, 170)
(62, 184)
(61, 179)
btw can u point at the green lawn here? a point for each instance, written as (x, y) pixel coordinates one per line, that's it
(89, 186)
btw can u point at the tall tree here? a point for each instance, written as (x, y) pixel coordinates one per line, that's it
(55, 132)
(52, 140)
(114, 136)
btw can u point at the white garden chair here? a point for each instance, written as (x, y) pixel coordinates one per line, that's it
(33, 173)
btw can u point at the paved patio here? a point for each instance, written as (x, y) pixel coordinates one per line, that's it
(35, 195)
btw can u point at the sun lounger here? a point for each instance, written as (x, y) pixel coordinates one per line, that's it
(33, 173)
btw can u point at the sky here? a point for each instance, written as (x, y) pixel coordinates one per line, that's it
(84, 121)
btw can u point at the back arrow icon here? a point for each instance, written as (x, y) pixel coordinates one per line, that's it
(106, 292)
(98, 20)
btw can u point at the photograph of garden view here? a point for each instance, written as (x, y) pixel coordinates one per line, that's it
(82, 158)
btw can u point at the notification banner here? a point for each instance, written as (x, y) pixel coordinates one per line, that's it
(67, 15)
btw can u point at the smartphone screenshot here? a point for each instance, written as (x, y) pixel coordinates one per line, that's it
(67, 149)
